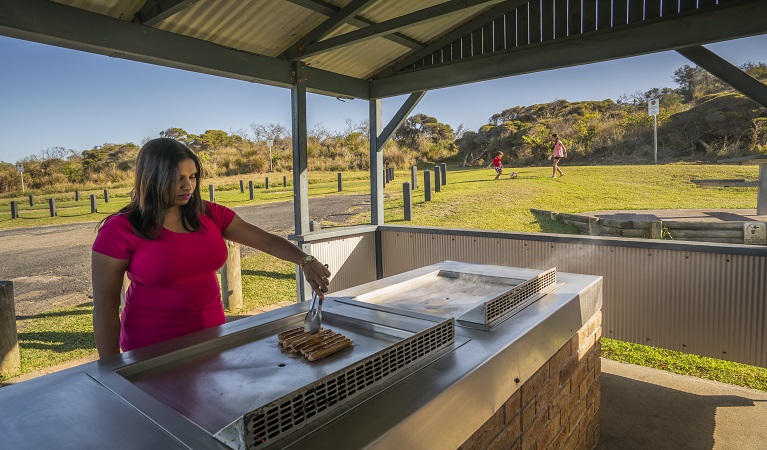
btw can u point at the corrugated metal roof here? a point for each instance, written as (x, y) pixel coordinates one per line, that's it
(265, 27)
(272, 28)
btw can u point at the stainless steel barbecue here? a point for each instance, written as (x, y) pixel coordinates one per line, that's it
(412, 379)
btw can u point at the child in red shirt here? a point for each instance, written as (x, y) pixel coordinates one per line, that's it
(497, 164)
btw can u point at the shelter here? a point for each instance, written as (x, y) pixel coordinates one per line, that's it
(703, 298)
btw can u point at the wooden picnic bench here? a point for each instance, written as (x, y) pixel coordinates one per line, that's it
(761, 161)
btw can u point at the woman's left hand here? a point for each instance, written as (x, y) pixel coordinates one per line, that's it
(318, 276)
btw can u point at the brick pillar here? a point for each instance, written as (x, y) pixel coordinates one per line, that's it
(557, 407)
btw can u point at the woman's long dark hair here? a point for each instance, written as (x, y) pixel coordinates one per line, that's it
(154, 188)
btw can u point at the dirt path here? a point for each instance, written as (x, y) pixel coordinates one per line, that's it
(50, 266)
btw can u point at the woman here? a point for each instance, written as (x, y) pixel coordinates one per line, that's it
(558, 152)
(171, 243)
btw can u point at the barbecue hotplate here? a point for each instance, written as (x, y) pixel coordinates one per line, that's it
(246, 392)
(473, 299)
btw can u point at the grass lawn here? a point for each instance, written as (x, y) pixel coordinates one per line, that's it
(470, 199)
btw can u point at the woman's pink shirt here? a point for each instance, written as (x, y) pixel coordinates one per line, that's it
(174, 289)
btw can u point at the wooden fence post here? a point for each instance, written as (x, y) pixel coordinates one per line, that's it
(427, 185)
(231, 278)
(106, 195)
(407, 196)
(437, 179)
(10, 360)
(414, 176)
(443, 168)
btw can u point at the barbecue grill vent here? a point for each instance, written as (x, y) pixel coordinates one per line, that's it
(265, 425)
(519, 297)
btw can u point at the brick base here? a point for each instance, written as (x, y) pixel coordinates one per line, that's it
(558, 407)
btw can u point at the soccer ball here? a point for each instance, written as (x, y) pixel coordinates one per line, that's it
(513, 174)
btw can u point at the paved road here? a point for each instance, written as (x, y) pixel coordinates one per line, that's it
(50, 266)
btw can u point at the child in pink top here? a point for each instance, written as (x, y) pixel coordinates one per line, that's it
(170, 243)
(558, 152)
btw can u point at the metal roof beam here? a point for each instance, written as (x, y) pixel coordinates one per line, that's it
(399, 118)
(723, 22)
(457, 33)
(327, 9)
(65, 26)
(336, 20)
(155, 11)
(726, 72)
(388, 27)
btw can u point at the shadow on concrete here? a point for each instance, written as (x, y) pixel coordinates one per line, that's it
(640, 415)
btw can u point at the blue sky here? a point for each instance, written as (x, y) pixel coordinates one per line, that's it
(55, 97)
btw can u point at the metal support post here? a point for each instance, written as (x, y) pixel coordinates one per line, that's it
(377, 171)
(300, 170)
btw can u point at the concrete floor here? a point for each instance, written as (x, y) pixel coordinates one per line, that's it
(643, 408)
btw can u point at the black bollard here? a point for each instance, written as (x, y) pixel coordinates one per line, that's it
(31, 200)
(340, 185)
(242, 187)
(106, 196)
(443, 166)
(285, 180)
(250, 188)
(427, 185)
(407, 196)
(414, 176)
(77, 196)
(52, 206)
(14, 209)
(267, 182)
(93, 204)
(437, 181)
(212, 193)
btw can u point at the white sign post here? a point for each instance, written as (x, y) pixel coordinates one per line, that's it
(653, 109)
(269, 142)
(20, 168)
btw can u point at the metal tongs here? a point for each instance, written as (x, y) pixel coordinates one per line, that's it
(313, 319)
